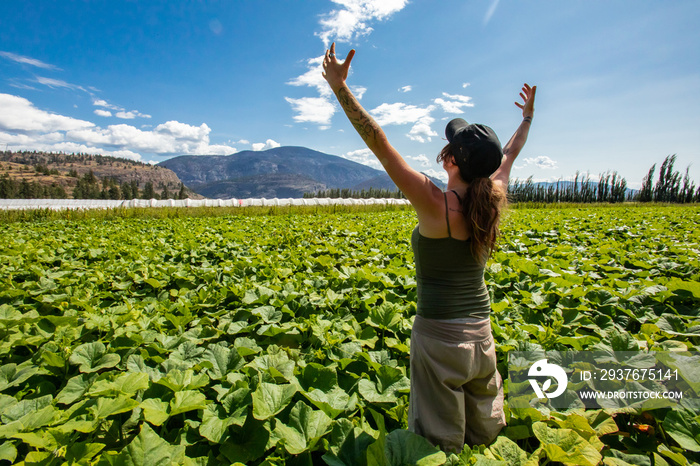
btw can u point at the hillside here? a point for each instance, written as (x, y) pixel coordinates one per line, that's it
(279, 172)
(64, 172)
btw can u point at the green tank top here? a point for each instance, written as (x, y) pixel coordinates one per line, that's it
(449, 279)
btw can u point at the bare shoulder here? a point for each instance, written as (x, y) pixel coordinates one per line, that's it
(431, 213)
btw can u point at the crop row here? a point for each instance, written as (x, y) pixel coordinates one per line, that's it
(285, 339)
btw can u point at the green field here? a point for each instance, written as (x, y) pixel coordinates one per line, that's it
(284, 339)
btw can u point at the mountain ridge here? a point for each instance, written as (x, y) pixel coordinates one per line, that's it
(286, 171)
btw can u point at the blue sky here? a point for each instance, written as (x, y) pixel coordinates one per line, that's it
(618, 81)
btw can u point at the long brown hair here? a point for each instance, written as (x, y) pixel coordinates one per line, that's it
(481, 206)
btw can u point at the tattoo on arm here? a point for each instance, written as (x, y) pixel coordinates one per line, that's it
(360, 119)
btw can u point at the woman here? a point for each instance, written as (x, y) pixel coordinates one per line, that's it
(456, 390)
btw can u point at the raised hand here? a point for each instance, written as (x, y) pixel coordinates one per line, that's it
(528, 96)
(336, 72)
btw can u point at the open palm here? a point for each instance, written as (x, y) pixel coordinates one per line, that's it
(336, 72)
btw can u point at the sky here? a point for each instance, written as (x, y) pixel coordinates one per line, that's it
(618, 82)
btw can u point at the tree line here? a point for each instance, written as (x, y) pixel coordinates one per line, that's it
(670, 186)
(16, 189)
(60, 158)
(91, 187)
(611, 188)
(346, 193)
(88, 186)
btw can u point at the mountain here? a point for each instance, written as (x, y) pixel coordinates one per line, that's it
(63, 171)
(280, 172)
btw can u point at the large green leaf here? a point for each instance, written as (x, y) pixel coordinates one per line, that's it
(11, 375)
(269, 399)
(106, 407)
(82, 453)
(75, 388)
(352, 450)
(8, 452)
(91, 357)
(315, 376)
(509, 451)
(187, 400)
(406, 448)
(177, 380)
(147, 449)
(124, 384)
(306, 426)
(223, 361)
(565, 445)
(30, 421)
(390, 383)
(334, 402)
(24, 407)
(248, 443)
(683, 429)
(215, 423)
(155, 411)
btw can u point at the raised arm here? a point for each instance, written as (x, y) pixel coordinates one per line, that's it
(517, 141)
(419, 190)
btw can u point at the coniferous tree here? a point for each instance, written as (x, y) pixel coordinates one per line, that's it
(646, 194)
(148, 192)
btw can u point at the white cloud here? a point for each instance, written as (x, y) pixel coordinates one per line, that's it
(358, 91)
(269, 144)
(27, 61)
(131, 115)
(19, 114)
(24, 127)
(184, 131)
(490, 11)
(352, 20)
(102, 113)
(440, 175)
(406, 89)
(121, 113)
(465, 85)
(105, 104)
(54, 83)
(54, 142)
(400, 113)
(542, 162)
(169, 138)
(313, 77)
(318, 110)
(344, 24)
(455, 104)
(421, 159)
(126, 154)
(421, 131)
(216, 27)
(21, 86)
(365, 157)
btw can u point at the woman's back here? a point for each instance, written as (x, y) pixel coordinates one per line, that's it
(450, 280)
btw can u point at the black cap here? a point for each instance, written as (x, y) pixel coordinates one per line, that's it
(476, 148)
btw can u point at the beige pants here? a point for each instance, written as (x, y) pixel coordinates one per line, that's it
(456, 390)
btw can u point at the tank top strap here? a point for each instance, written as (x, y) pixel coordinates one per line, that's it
(447, 215)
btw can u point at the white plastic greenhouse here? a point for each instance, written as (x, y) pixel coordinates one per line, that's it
(63, 204)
